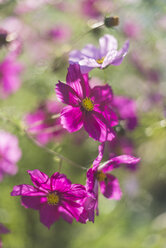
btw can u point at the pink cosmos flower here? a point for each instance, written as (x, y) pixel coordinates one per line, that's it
(3, 230)
(54, 197)
(87, 107)
(10, 154)
(107, 54)
(44, 123)
(10, 70)
(97, 175)
(126, 110)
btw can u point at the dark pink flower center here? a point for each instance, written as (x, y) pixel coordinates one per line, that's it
(87, 104)
(53, 198)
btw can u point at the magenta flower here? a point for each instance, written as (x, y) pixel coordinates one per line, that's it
(108, 183)
(54, 197)
(10, 154)
(107, 54)
(9, 76)
(44, 123)
(3, 230)
(87, 107)
(126, 110)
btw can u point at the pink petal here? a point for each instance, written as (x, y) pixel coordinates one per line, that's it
(40, 179)
(77, 81)
(110, 188)
(77, 191)
(66, 215)
(66, 94)
(60, 183)
(75, 56)
(94, 124)
(90, 182)
(109, 58)
(110, 116)
(74, 211)
(111, 135)
(90, 51)
(107, 43)
(72, 203)
(49, 214)
(115, 162)
(102, 94)
(121, 54)
(26, 190)
(71, 118)
(97, 161)
(87, 64)
(31, 202)
(89, 206)
(88, 212)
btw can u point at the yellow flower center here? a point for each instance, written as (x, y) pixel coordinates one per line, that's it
(87, 104)
(100, 176)
(100, 61)
(52, 199)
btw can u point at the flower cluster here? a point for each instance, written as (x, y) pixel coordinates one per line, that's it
(94, 109)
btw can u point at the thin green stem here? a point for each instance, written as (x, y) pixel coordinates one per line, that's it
(29, 136)
(50, 151)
